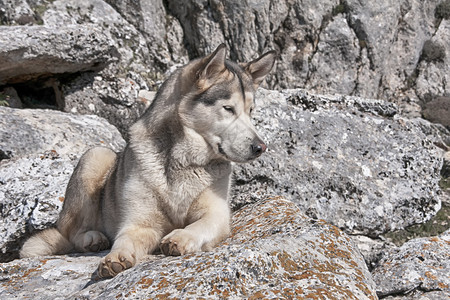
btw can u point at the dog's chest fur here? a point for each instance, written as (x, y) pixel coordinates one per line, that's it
(185, 185)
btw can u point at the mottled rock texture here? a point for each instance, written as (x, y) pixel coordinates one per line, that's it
(35, 131)
(421, 265)
(393, 51)
(274, 251)
(148, 41)
(364, 48)
(351, 161)
(354, 162)
(30, 52)
(41, 147)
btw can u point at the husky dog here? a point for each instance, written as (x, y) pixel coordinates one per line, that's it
(169, 187)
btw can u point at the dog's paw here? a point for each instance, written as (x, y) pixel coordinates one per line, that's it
(114, 263)
(95, 241)
(179, 242)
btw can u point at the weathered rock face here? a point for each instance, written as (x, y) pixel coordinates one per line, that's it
(421, 265)
(362, 48)
(394, 51)
(42, 148)
(273, 252)
(17, 12)
(350, 161)
(438, 111)
(35, 131)
(148, 41)
(432, 71)
(30, 52)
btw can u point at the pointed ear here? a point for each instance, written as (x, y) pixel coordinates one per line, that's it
(260, 67)
(213, 64)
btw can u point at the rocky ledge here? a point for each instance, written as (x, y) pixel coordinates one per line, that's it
(354, 162)
(342, 171)
(274, 251)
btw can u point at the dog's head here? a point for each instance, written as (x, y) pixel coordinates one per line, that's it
(220, 101)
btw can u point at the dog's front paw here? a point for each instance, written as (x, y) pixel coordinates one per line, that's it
(179, 242)
(115, 262)
(95, 241)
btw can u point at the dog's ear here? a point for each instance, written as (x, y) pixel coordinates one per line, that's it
(213, 64)
(260, 67)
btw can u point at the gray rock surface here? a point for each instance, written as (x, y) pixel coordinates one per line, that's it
(31, 196)
(432, 71)
(393, 51)
(17, 12)
(35, 131)
(362, 48)
(372, 249)
(162, 32)
(420, 265)
(351, 161)
(147, 48)
(43, 148)
(30, 52)
(438, 111)
(274, 251)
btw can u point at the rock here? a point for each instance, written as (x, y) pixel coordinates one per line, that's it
(31, 194)
(351, 161)
(372, 249)
(163, 33)
(432, 71)
(116, 100)
(273, 252)
(42, 148)
(445, 172)
(337, 58)
(418, 295)
(375, 47)
(420, 265)
(438, 111)
(398, 52)
(30, 52)
(17, 12)
(113, 92)
(34, 131)
(10, 96)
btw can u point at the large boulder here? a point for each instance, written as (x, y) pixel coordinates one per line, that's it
(34, 131)
(41, 149)
(420, 268)
(30, 52)
(351, 161)
(274, 251)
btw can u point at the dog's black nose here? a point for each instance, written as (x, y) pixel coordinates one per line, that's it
(258, 148)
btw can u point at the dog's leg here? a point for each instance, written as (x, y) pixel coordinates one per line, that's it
(209, 223)
(132, 243)
(80, 219)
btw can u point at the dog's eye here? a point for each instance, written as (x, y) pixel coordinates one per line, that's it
(229, 109)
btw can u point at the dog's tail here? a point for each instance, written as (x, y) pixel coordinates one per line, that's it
(47, 242)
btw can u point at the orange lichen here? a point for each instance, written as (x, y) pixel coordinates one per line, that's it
(430, 275)
(443, 285)
(145, 282)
